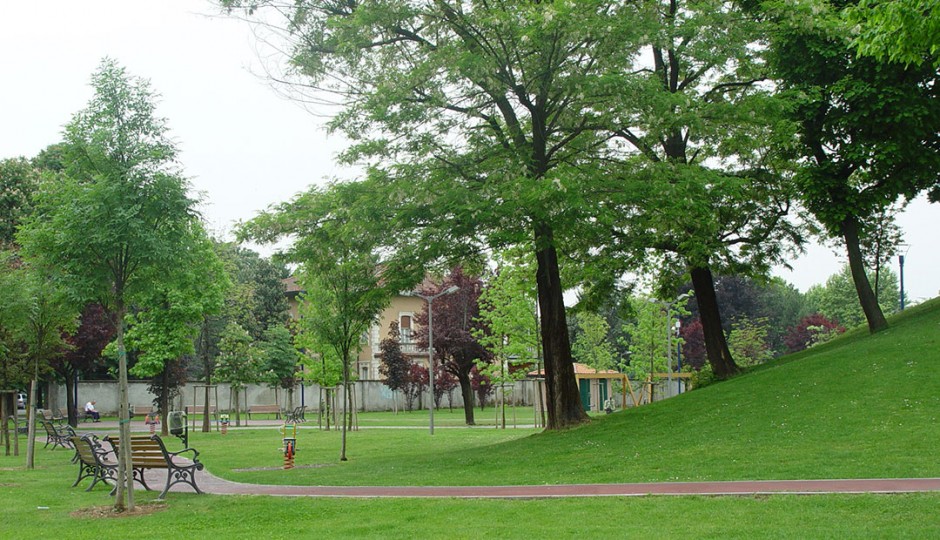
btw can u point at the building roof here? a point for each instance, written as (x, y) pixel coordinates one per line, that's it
(584, 371)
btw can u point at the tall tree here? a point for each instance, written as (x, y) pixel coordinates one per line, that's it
(867, 130)
(279, 360)
(238, 363)
(48, 316)
(479, 119)
(456, 325)
(340, 270)
(120, 215)
(166, 320)
(704, 190)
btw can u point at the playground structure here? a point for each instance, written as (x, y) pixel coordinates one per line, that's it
(289, 446)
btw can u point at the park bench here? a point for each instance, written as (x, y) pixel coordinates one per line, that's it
(200, 409)
(54, 417)
(57, 436)
(93, 461)
(149, 452)
(295, 415)
(262, 409)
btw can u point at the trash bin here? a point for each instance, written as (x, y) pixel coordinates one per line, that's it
(176, 421)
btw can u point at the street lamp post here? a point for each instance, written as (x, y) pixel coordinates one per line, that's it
(430, 300)
(901, 264)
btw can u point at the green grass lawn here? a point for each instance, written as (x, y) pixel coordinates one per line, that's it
(859, 407)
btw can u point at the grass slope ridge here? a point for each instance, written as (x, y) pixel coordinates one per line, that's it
(862, 406)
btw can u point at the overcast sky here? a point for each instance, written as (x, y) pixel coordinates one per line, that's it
(243, 146)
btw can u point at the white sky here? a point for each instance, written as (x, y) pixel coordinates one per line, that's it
(243, 145)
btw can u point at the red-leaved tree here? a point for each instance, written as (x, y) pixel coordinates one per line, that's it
(94, 332)
(811, 329)
(455, 320)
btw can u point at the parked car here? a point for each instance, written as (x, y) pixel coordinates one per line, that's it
(20, 400)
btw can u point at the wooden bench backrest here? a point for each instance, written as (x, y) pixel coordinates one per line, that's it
(85, 452)
(142, 409)
(264, 408)
(198, 409)
(145, 452)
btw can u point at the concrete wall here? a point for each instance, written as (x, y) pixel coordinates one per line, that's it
(369, 396)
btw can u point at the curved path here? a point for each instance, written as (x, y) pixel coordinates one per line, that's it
(210, 483)
(213, 484)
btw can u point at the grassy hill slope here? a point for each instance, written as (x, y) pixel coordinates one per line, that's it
(858, 407)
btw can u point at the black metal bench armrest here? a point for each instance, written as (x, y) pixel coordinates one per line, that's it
(194, 459)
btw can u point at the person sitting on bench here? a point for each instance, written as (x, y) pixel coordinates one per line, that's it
(90, 411)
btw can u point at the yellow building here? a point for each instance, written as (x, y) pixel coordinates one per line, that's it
(403, 309)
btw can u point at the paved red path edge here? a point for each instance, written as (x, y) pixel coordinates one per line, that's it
(215, 485)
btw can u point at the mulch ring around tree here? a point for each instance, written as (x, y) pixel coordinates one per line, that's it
(104, 512)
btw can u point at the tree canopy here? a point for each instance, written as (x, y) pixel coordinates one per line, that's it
(117, 222)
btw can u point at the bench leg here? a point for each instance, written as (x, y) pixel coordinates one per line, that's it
(184, 475)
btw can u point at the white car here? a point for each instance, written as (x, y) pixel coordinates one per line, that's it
(20, 400)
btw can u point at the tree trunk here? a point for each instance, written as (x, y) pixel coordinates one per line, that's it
(716, 347)
(466, 390)
(342, 455)
(70, 404)
(564, 400)
(31, 426)
(866, 297)
(205, 408)
(125, 479)
(164, 408)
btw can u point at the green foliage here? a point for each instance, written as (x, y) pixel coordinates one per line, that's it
(18, 182)
(167, 318)
(591, 345)
(509, 325)
(648, 336)
(14, 306)
(237, 363)
(279, 358)
(903, 31)
(121, 212)
(748, 342)
(838, 301)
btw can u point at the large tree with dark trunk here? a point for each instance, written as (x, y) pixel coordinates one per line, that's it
(705, 193)
(868, 132)
(481, 121)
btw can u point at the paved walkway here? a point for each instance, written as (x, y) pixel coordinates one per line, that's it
(210, 483)
(213, 484)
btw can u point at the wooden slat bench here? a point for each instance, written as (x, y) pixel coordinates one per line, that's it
(295, 415)
(52, 416)
(149, 452)
(264, 409)
(93, 461)
(191, 413)
(57, 436)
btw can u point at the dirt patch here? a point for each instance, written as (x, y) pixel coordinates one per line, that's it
(99, 512)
